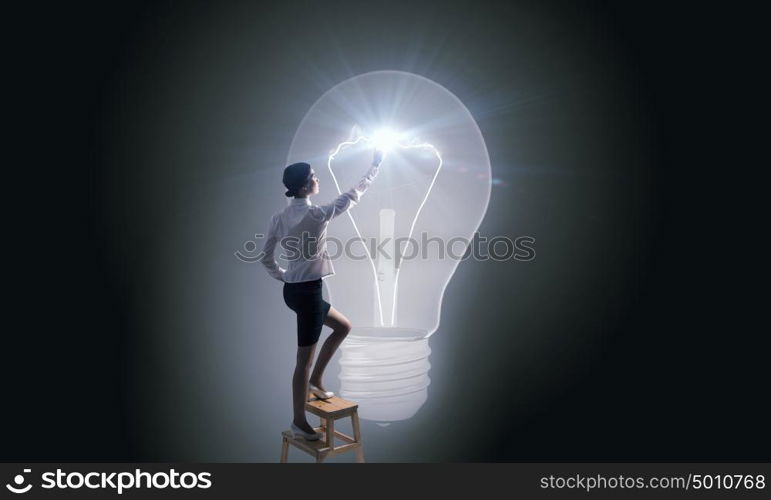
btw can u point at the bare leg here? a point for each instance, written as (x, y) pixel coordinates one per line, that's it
(300, 385)
(340, 327)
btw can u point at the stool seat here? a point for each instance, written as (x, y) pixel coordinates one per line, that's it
(328, 410)
(333, 407)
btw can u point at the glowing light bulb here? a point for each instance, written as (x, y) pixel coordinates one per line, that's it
(433, 188)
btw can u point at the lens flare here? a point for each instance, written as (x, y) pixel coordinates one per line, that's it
(385, 139)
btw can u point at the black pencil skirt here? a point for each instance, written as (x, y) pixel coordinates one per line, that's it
(305, 299)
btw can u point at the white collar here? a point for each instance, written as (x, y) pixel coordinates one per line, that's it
(300, 201)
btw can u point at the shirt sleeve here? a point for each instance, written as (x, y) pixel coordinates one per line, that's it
(268, 260)
(346, 200)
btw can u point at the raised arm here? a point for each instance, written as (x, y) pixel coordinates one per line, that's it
(351, 197)
(268, 260)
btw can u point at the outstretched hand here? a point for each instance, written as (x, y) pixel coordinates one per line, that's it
(377, 157)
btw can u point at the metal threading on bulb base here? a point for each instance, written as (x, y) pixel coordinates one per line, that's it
(385, 370)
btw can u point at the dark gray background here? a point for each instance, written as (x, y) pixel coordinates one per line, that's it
(171, 124)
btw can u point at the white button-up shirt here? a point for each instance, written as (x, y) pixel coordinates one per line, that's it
(306, 224)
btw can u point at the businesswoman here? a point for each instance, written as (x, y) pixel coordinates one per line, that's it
(309, 263)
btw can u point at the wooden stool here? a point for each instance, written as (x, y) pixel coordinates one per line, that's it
(328, 411)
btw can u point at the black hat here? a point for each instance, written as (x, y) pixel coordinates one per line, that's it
(296, 176)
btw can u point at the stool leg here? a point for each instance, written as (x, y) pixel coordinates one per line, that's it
(355, 425)
(357, 437)
(323, 425)
(284, 450)
(330, 432)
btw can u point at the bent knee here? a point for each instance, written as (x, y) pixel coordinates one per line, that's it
(344, 328)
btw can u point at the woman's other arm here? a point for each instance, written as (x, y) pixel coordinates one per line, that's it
(268, 260)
